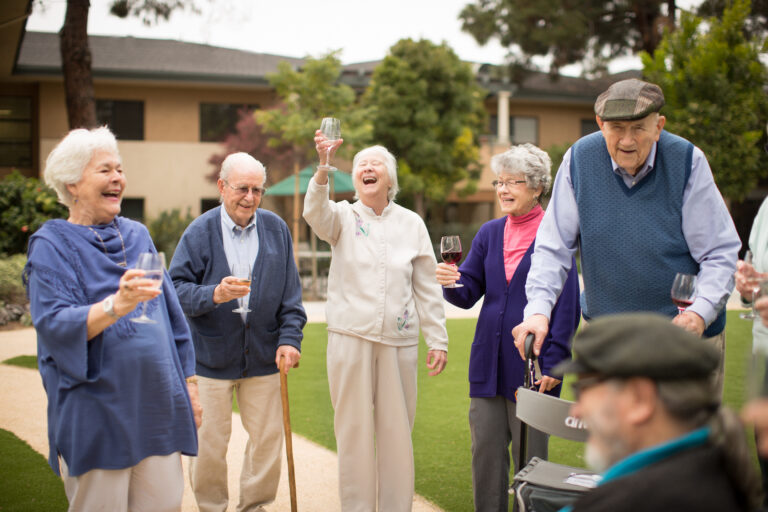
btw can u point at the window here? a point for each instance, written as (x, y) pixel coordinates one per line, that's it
(524, 129)
(15, 131)
(588, 126)
(521, 129)
(124, 118)
(208, 204)
(217, 120)
(133, 208)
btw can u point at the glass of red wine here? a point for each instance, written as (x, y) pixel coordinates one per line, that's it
(683, 291)
(450, 251)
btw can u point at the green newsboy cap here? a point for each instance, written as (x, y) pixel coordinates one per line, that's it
(629, 99)
(640, 345)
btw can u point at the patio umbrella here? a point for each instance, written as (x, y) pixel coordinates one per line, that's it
(342, 182)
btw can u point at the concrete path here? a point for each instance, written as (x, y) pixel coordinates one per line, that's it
(23, 412)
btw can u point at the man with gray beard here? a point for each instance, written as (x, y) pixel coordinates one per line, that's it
(657, 429)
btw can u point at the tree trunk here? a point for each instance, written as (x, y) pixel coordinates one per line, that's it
(76, 66)
(418, 204)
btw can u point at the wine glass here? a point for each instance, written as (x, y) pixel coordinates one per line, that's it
(683, 291)
(450, 251)
(751, 314)
(242, 271)
(153, 265)
(331, 128)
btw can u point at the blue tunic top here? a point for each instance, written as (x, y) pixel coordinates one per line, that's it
(120, 397)
(495, 366)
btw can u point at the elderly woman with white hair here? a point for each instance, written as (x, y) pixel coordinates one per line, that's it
(495, 270)
(119, 410)
(381, 291)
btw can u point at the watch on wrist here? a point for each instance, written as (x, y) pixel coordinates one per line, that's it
(109, 306)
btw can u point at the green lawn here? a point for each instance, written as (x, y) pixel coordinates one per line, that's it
(441, 434)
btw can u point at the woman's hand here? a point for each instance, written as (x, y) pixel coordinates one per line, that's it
(546, 383)
(447, 274)
(746, 278)
(436, 361)
(194, 400)
(322, 146)
(133, 289)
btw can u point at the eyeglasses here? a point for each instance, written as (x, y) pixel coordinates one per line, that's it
(584, 383)
(243, 189)
(501, 184)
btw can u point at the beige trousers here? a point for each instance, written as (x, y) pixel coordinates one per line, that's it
(718, 376)
(373, 392)
(261, 413)
(155, 484)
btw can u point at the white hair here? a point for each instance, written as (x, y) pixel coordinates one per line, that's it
(528, 160)
(389, 162)
(241, 160)
(70, 157)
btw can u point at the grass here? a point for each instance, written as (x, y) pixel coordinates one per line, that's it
(441, 434)
(23, 361)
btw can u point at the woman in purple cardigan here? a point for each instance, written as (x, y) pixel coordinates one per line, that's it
(496, 267)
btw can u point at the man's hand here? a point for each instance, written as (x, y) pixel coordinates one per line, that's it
(230, 288)
(291, 356)
(691, 322)
(436, 361)
(194, 399)
(546, 383)
(536, 324)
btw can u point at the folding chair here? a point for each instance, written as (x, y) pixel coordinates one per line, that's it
(543, 486)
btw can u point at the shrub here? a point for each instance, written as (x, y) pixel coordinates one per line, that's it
(25, 204)
(166, 230)
(11, 288)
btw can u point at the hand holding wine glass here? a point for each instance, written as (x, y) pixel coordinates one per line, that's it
(748, 282)
(331, 130)
(683, 291)
(242, 272)
(450, 251)
(153, 266)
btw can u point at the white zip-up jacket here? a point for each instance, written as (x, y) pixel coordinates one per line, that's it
(381, 283)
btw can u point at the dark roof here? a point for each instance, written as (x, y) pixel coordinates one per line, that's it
(161, 59)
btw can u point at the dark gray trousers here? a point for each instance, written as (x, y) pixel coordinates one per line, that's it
(493, 426)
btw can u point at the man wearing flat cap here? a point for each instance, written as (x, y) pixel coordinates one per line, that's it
(641, 205)
(657, 430)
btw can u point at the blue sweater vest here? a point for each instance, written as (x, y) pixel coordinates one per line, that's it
(631, 240)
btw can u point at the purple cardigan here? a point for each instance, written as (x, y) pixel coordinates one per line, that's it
(495, 366)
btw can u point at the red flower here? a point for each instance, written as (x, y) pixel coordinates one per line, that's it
(24, 229)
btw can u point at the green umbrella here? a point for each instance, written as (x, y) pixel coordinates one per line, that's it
(342, 182)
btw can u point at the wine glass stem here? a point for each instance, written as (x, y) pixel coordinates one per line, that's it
(755, 291)
(680, 310)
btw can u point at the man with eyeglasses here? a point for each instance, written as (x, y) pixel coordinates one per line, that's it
(241, 329)
(640, 205)
(657, 429)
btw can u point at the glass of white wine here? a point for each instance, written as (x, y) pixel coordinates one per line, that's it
(331, 128)
(153, 265)
(242, 271)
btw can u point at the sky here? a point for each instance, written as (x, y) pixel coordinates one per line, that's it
(362, 29)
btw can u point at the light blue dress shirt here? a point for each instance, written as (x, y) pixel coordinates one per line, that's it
(241, 245)
(707, 227)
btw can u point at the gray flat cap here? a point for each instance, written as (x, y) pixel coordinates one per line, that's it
(629, 99)
(640, 345)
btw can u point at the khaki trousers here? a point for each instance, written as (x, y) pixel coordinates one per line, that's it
(155, 484)
(718, 375)
(261, 413)
(373, 392)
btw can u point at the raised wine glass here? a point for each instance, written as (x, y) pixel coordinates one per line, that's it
(242, 271)
(450, 251)
(331, 128)
(153, 265)
(751, 314)
(683, 291)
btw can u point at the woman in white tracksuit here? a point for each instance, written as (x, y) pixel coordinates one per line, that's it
(381, 291)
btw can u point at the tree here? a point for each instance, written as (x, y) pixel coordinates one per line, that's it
(713, 83)
(76, 53)
(427, 110)
(591, 32)
(757, 21)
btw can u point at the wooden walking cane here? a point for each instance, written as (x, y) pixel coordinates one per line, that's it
(288, 439)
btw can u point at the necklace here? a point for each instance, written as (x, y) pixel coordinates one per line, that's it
(123, 263)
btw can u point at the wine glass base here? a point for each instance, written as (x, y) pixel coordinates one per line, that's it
(747, 316)
(454, 285)
(143, 320)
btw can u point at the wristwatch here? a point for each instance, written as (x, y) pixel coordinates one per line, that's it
(109, 306)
